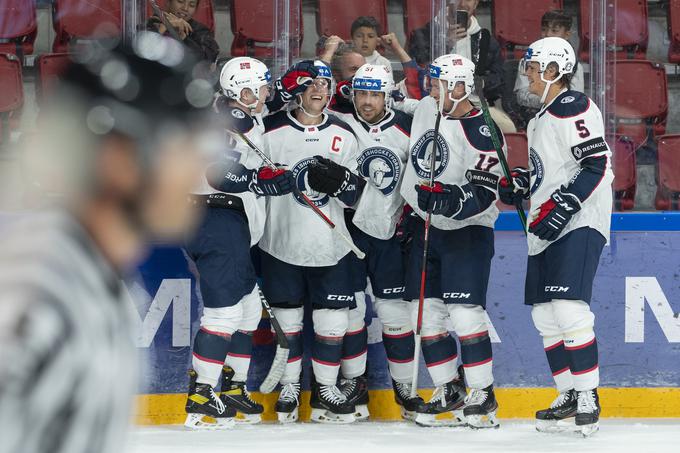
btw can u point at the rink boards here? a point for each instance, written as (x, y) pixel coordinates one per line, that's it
(636, 301)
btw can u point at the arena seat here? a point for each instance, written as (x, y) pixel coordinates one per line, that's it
(674, 31)
(11, 92)
(205, 12)
(630, 23)
(512, 29)
(417, 13)
(640, 98)
(253, 27)
(18, 27)
(334, 20)
(49, 67)
(668, 191)
(84, 19)
(624, 166)
(518, 156)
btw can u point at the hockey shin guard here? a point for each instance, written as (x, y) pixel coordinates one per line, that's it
(330, 327)
(240, 354)
(355, 343)
(210, 351)
(469, 322)
(398, 337)
(290, 320)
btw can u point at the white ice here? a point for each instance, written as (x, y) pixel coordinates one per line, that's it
(615, 435)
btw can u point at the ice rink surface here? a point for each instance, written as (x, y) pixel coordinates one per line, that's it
(615, 435)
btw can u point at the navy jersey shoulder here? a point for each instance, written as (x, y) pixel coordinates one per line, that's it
(344, 108)
(478, 134)
(403, 121)
(234, 118)
(276, 121)
(569, 104)
(335, 121)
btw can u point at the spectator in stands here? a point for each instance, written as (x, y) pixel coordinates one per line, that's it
(553, 23)
(365, 33)
(194, 34)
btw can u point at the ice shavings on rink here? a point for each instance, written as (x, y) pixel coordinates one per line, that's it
(615, 435)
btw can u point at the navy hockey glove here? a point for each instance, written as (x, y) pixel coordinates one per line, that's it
(344, 89)
(326, 176)
(296, 80)
(267, 181)
(554, 215)
(514, 192)
(441, 199)
(397, 96)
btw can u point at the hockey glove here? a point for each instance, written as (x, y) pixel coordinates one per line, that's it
(326, 176)
(440, 199)
(296, 80)
(397, 96)
(344, 89)
(513, 192)
(270, 182)
(554, 215)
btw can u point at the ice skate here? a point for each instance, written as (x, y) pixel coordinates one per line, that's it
(289, 400)
(235, 394)
(204, 409)
(480, 408)
(409, 405)
(329, 405)
(560, 415)
(588, 412)
(356, 392)
(445, 408)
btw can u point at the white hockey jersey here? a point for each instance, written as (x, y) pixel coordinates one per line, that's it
(465, 154)
(563, 133)
(238, 151)
(382, 157)
(293, 233)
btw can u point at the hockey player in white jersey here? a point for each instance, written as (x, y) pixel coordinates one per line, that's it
(301, 257)
(233, 192)
(461, 246)
(383, 136)
(569, 185)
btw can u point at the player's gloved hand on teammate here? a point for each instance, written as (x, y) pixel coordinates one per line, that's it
(441, 199)
(326, 176)
(296, 80)
(513, 194)
(397, 96)
(554, 215)
(344, 89)
(272, 182)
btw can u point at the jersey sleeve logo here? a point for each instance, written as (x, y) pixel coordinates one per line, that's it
(381, 167)
(485, 131)
(421, 155)
(238, 114)
(589, 148)
(537, 170)
(300, 171)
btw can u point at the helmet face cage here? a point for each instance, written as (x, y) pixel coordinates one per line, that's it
(376, 78)
(244, 72)
(324, 74)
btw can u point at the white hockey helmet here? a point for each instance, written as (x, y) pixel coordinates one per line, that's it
(372, 77)
(244, 72)
(324, 73)
(453, 69)
(550, 50)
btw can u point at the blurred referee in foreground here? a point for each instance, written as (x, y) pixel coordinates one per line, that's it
(117, 150)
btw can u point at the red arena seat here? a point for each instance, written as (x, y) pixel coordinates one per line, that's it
(630, 25)
(674, 31)
(85, 19)
(333, 19)
(18, 27)
(417, 13)
(253, 27)
(50, 67)
(668, 192)
(625, 178)
(205, 12)
(11, 91)
(512, 29)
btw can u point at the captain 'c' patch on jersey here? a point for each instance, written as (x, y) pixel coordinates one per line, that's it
(300, 170)
(537, 169)
(421, 155)
(381, 167)
(337, 143)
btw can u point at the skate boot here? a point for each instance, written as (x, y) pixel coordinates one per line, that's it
(329, 405)
(289, 400)
(409, 405)
(235, 394)
(560, 415)
(447, 399)
(588, 412)
(356, 392)
(480, 408)
(204, 409)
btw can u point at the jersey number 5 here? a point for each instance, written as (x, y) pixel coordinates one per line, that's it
(583, 131)
(486, 162)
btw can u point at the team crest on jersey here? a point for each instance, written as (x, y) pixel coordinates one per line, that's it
(381, 167)
(421, 155)
(300, 174)
(238, 114)
(537, 169)
(485, 131)
(568, 99)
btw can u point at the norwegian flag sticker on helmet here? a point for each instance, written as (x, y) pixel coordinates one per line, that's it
(245, 65)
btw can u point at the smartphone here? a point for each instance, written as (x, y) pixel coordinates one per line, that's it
(462, 18)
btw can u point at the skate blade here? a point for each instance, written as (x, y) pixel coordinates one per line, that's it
(361, 413)
(556, 426)
(408, 415)
(324, 416)
(206, 423)
(287, 417)
(248, 419)
(589, 430)
(453, 418)
(483, 421)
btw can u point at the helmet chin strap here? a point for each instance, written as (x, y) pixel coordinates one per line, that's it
(311, 115)
(451, 98)
(548, 83)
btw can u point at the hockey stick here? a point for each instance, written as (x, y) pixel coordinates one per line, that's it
(361, 255)
(426, 243)
(282, 349)
(161, 15)
(479, 88)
